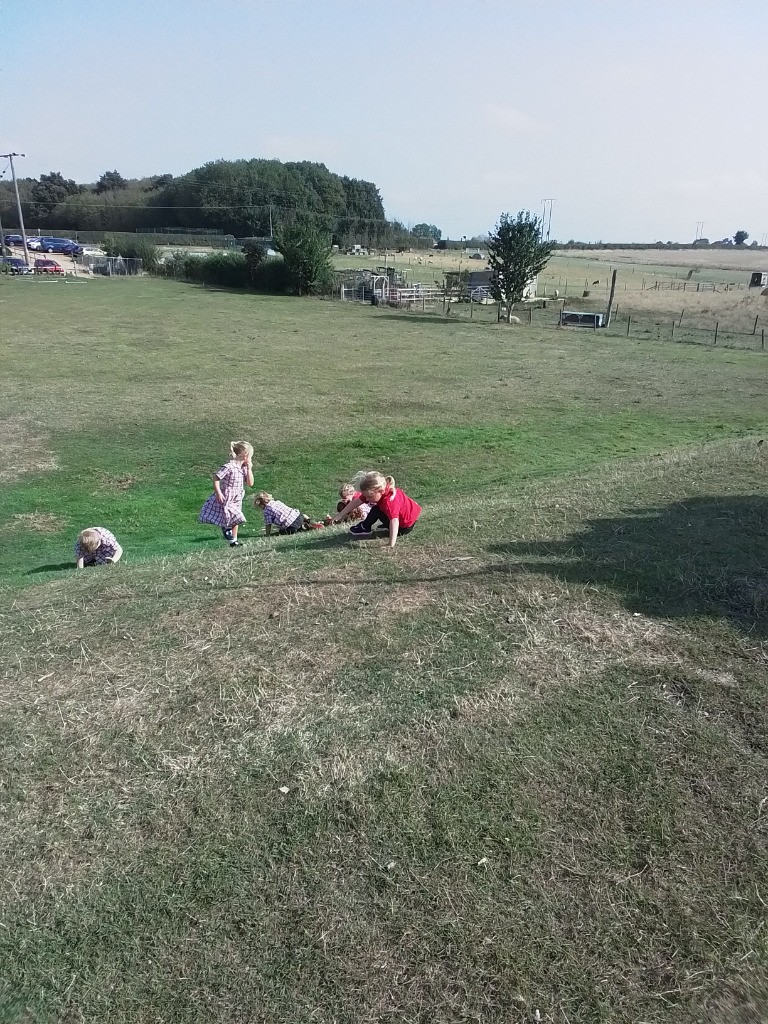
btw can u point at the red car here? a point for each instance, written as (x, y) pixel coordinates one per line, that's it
(47, 267)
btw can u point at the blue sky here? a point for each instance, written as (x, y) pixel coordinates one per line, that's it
(638, 118)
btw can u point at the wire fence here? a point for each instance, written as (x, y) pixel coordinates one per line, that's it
(547, 316)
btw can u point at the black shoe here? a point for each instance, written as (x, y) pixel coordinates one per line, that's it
(361, 530)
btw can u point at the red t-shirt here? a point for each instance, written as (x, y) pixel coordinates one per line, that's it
(397, 505)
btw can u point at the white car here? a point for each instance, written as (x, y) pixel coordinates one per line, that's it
(93, 250)
(34, 244)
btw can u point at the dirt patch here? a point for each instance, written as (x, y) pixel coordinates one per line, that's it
(35, 522)
(23, 449)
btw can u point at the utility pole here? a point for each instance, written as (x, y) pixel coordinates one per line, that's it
(544, 217)
(9, 157)
(699, 229)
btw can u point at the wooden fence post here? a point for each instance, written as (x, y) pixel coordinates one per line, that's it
(754, 329)
(762, 337)
(470, 307)
(629, 323)
(682, 314)
(530, 316)
(610, 299)
(717, 324)
(673, 330)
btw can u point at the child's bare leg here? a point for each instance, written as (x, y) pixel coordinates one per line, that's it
(234, 531)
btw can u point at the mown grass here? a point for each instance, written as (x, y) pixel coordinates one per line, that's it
(136, 394)
(524, 755)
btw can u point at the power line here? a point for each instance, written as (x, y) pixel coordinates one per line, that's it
(345, 215)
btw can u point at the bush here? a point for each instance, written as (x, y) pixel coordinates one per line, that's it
(255, 254)
(272, 277)
(307, 255)
(222, 269)
(134, 249)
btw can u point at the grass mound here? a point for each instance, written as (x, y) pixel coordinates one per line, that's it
(517, 765)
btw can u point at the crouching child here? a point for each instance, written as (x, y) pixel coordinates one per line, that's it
(96, 546)
(287, 520)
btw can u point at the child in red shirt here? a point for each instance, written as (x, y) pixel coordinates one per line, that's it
(391, 506)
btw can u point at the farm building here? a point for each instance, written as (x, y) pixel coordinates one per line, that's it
(479, 282)
(759, 279)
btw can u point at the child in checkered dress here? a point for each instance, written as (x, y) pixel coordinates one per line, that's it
(224, 508)
(286, 519)
(96, 546)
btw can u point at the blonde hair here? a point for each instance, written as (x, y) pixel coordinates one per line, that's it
(89, 540)
(358, 478)
(262, 498)
(240, 448)
(346, 487)
(375, 481)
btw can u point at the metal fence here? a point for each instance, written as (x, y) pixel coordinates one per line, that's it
(109, 266)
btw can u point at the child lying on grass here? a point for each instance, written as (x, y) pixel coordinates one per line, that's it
(286, 519)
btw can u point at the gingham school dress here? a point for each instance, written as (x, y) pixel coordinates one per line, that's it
(232, 482)
(107, 548)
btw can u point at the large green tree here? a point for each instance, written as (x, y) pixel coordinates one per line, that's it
(516, 253)
(50, 190)
(427, 231)
(307, 255)
(110, 181)
(740, 237)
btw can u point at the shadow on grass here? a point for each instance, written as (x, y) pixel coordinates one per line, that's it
(397, 319)
(326, 539)
(53, 567)
(701, 557)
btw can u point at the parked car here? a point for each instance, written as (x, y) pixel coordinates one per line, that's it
(15, 265)
(48, 267)
(32, 241)
(62, 245)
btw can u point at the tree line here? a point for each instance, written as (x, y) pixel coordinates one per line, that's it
(244, 198)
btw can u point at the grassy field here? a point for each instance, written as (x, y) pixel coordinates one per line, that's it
(698, 292)
(516, 765)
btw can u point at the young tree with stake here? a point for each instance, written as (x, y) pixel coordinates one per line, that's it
(516, 253)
